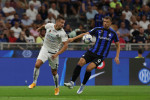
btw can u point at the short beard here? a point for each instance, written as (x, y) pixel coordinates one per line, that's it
(58, 29)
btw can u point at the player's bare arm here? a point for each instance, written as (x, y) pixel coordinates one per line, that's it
(65, 46)
(79, 36)
(118, 51)
(40, 27)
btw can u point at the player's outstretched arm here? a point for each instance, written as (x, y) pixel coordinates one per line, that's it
(118, 52)
(40, 28)
(79, 36)
(65, 46)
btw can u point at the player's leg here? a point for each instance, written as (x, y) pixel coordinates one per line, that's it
(54, 67)
(37, 70)
(55, 77)
(94, 63)
(36, 73)
(87, 75)
(76, 73)
(42, 57)
(77, 70)
(86, 58)
(56, 81)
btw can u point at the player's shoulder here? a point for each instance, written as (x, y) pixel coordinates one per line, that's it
(49, 25)
(61, 32)
(97, 28)
(112, 31)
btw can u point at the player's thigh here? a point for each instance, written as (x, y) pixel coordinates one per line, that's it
(91, 66)
(42, 57)
(54, 71)
(53, 63)
(86, 58)
(82, 62)
(38, 63)
(94, 63)
(98, 60)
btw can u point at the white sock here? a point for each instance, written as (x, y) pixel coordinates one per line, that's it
(36, 74)
(72, 82)
(56, 78)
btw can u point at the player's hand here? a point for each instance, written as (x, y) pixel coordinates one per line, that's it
(54, 56)
(117, 60)
(70, 40)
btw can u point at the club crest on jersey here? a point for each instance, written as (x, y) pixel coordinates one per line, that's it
(109, 34)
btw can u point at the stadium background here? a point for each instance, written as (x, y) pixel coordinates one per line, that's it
(20, 44)
(17, 69)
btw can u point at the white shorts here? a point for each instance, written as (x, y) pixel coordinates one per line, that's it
(45, 55)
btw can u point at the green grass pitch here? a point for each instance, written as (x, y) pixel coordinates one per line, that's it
(90, 93)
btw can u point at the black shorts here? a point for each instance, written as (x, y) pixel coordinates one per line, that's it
(91, 57)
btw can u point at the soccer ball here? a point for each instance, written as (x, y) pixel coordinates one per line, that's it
(87, 38)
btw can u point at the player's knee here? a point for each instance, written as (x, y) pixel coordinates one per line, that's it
(82, 62)
(54, 72)
(88, 69)
(37, 65)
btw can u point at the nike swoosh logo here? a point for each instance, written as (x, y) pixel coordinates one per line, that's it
(92, 76)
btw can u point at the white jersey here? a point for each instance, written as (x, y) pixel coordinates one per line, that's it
(54, 38)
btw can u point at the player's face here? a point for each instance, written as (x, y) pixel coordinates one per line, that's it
(106, 23)
(60, 24)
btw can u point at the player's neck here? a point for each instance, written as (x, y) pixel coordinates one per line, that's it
(56, 27)
(106, 28)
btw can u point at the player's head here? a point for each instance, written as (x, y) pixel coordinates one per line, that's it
(140, 51)
(107, 22)
(60, 21)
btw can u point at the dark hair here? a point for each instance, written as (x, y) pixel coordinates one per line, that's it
(108, 17)
(60, 17)
(140, 51)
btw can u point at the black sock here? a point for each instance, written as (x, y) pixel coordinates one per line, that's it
(76, 73)
(86, 77)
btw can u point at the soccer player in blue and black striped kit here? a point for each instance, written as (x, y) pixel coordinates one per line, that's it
(95, 55)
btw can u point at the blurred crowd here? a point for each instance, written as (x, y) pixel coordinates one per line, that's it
(19, 19)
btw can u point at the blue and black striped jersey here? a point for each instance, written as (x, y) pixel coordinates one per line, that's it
(104, 38)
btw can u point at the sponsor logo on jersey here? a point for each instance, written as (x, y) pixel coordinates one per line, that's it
(105, 38)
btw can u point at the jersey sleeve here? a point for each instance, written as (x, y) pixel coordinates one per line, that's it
(93, 31)
(64, 37)
(116, 39)
(48, 25)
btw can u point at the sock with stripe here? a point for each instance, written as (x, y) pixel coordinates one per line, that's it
(56, 80)
(36, 74)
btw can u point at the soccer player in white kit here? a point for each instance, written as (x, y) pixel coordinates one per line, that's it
(54, 37)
